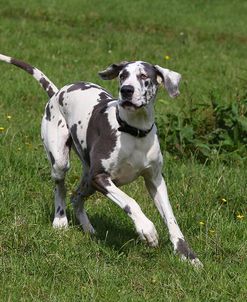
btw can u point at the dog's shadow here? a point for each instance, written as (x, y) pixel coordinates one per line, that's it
(116, 235)
(112, 233)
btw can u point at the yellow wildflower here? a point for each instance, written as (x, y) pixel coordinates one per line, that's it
(240, 216)
(1, 129)
(224, 200)
(201, 223)
(9, 117)
(167, 57)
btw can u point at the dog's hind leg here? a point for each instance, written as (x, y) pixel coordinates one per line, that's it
(78, 199)
(57, 143)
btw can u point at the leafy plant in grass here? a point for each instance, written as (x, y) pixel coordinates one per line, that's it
(230, 124)
(205, 130)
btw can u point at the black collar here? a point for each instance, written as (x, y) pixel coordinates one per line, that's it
(125, 127)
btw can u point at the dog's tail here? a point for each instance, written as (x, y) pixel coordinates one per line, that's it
(47, 85)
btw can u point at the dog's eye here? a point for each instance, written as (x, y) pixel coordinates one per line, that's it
(121, 77)
(143, 76)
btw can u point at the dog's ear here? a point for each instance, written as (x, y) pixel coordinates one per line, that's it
(112, 71)
(170, 79)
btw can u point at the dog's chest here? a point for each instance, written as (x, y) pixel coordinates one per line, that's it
(131, 157)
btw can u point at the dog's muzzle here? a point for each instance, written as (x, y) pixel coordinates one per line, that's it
(126, 98)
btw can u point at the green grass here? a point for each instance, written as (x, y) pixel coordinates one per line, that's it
(71, 41)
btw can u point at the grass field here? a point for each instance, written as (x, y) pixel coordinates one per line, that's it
(72, 40)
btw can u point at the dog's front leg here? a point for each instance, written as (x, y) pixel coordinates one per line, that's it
(157, 188)
(143, 225)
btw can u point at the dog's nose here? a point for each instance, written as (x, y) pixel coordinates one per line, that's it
(127, 91)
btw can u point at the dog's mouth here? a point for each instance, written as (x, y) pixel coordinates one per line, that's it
(130, 105)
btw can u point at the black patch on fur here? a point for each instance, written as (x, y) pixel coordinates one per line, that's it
(127, 210)
(61, 213)
(105, 96)
(124, 75)
(183, 249)
(79, 122)
(59, 122)
(45, 84)
(73, 132)
(60, 98)
(52, 158)
(151, 72)
(58, 209)
(69, 142)
(100, 182)
(50, 92)
(48, 112)
(101, 138)
(81, 86)
(28, 68)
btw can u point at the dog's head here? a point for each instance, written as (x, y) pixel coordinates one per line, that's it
(139, 81)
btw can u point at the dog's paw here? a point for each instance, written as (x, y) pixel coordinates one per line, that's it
(197, 263)
(88, 229)
(60, 223)
(148, 233)
(186, 254)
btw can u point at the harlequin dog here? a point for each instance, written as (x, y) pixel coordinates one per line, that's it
(116, 141)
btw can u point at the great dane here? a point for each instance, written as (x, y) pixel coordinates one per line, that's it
(116, 141)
